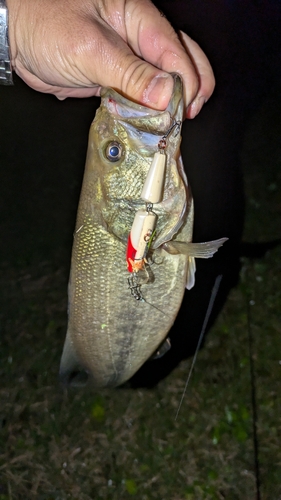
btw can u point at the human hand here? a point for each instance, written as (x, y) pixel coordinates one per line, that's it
(71, 48)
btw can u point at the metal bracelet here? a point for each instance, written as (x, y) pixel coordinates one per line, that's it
(6, 77)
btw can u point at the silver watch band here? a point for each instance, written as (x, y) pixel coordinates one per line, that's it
(6, 77)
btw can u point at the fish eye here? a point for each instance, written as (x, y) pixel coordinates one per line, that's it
(113, 151)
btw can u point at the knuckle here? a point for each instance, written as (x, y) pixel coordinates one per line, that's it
(135, 77)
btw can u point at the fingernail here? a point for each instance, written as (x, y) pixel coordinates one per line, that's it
(196, 106)
(159, 91)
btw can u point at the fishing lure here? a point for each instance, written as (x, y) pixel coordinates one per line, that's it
(144, 225)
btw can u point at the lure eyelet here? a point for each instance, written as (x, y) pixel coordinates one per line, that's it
(113, 151)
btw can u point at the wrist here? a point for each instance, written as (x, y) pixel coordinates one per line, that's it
(5, 62)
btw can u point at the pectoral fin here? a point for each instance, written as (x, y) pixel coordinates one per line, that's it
(193, 250)
(198, 250)
(190, 275)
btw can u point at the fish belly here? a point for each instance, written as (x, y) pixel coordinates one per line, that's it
(110, 334)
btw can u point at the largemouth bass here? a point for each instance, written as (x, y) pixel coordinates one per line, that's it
(132, 254)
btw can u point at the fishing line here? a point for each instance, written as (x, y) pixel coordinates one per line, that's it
(152, 305)
(207, 316)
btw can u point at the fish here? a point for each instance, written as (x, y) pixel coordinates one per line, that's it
(133, 255)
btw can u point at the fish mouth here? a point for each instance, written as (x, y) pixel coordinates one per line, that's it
(144, 118)
(156, 125)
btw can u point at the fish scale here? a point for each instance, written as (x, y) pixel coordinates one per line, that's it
(117, 333)
(118, 319)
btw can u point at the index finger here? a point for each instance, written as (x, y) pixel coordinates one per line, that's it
(156, 42)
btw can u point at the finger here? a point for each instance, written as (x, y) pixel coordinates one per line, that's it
(156, 42)
(205, 73)
(108, 60)
(60, 92)
(136, 55)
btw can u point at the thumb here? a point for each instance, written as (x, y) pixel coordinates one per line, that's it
(147, 85)
(135, 78)
(109, 61)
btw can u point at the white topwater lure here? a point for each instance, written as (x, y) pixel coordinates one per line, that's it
(143, 228)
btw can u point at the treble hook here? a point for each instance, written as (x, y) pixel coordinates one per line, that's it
(163, 143)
